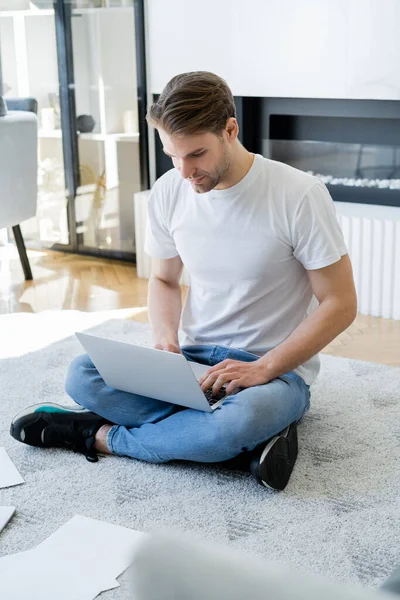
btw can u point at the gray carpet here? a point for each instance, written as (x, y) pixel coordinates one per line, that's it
(339, 515)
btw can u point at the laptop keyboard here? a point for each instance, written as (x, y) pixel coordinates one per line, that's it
(213, 399)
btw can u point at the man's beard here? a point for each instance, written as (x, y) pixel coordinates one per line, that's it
(211, 180)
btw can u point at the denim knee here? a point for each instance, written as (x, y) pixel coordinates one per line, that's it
(236, 431)
(76, 374)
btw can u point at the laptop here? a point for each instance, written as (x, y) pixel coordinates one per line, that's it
(150, 372)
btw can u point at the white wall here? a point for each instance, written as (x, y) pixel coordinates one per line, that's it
(8, 63)
(280, 48)
(41, 57)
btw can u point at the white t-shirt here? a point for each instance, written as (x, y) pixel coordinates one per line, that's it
(246, 249)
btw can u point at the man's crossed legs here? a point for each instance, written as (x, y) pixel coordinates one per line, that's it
(259, 421)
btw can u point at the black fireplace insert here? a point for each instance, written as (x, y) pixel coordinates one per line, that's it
(353, 146)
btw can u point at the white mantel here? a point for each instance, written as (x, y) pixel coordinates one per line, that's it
(280, 48)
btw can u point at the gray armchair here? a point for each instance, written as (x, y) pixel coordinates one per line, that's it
(18, 175)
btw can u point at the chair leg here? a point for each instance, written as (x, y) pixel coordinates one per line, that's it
(19, 240)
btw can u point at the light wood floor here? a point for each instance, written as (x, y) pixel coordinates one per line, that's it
(69, 282)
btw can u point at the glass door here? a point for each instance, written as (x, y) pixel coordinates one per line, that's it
(29, 69)
(103, 42)
(84, 63)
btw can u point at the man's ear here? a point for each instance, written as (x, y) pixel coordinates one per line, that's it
(232, 128)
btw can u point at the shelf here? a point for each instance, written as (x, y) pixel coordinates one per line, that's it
(49, 12)
(97, 137)
(27, 13)
(101, 137)
(51, 133)
(101, 10)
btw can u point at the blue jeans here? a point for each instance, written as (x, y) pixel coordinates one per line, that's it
(156, 431)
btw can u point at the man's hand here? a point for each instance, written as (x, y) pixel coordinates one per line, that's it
(235, 373)
(168, 347)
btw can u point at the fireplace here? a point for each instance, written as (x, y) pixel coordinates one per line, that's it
(353, 146)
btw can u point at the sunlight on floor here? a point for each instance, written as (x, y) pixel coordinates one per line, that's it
(22, 333)
(10, 252)
(53, 293)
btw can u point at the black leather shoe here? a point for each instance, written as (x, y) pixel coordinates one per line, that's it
(54, 426)
(272, 462)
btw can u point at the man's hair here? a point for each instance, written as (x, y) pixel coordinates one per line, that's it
(193, 103)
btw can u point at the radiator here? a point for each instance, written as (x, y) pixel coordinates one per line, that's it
(372, 236)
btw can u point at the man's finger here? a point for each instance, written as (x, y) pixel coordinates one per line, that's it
(222, 380)
(219, 367)
(207, 384)
(216, 387)
(233, 388)
(208, 379)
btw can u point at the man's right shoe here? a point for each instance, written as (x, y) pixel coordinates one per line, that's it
(272, 462)
(54, 426)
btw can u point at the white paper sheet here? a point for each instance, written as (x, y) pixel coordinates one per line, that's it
(6, 512)
(80, 560)
(8, 472)
(35, 576)
(110, 547)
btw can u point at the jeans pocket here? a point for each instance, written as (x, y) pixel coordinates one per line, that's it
(285, 379)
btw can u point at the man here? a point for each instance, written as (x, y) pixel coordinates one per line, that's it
(260, 240)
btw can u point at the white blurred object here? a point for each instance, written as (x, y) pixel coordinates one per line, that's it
(172, 567)
(48, 119)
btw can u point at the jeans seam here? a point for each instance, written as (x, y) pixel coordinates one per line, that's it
(213, 352)
(110, 436)
(225, 354)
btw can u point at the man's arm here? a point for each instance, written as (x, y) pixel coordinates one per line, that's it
(334, 289)
(164, 302)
